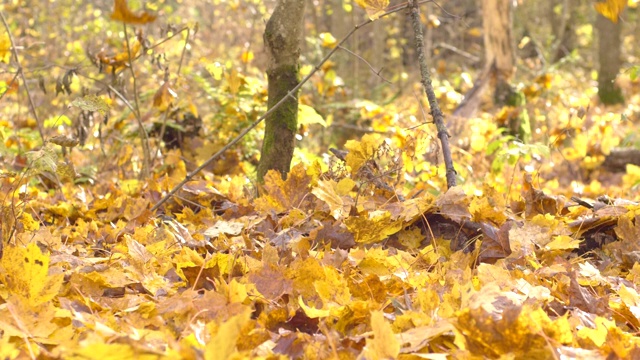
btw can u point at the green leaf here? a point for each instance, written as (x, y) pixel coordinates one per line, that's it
(634, 72)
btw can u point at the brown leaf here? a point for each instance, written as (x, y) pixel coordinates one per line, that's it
(334, 233)
(495, 243)
(66, 141)
(537, 202)
(584, 300)
(454, 204)
(271, 282)
(163, 98)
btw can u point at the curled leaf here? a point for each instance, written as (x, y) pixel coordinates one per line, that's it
(91, 103)
(65, 141)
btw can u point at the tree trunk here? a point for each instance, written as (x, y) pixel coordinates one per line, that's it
(282, 37)
(499, 57)
(609, 45)
(498, 45)
(563, 27)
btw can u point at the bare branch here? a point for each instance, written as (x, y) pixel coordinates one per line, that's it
(14, 51)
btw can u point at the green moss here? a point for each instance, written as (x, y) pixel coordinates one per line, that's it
(282, 124)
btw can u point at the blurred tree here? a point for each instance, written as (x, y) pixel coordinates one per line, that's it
(563, 18)
(498, 69)
(609, 51)
(498, 46)
(282, 37)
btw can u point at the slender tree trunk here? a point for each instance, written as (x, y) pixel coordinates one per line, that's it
(282, 37)
(563, 28)
(425, 80)
(498, 42)
(609, 46)
(499, 57)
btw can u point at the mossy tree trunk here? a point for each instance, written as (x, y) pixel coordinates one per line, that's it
(283, 38)
(609, 46)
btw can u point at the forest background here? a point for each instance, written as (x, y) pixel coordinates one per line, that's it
(107, 106)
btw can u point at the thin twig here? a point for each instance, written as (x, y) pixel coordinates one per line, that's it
(436, 113)
(9, 85)
(146, 163)
(165, 113)
(184, 50)
(458, 51)
(366, 130)
(269, 112)
(168, 38)
(377, 72)
(14, 51)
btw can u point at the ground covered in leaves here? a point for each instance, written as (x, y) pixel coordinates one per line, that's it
(361, 253)
(328, 264)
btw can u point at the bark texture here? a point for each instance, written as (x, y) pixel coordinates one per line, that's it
(498, 39)
(499, 57)
(282, 37)
(425, 80)
(609, 46)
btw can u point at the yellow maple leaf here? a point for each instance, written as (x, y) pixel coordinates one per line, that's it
(598, 335)
(29, 223)
(283, 195)
(518, 331)
(333, 288)
(361, 151)
(5, 48)
(8, 350)
(223, 343)
(374, 8)
(327, 191)
(488, 207)
(562, 242)
(304, 273)
(372, 227)
(384, 344)
(632, 176)
(26, 274)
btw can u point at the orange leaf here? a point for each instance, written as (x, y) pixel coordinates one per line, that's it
(610, 9)
(163, 97)
(122, 13)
